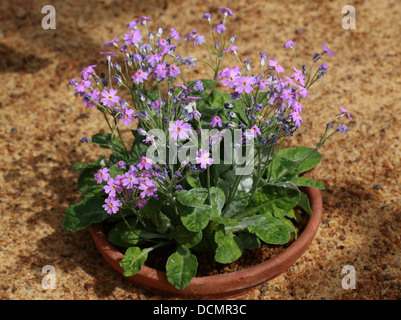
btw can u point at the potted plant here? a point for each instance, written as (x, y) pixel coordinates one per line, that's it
(205, 169)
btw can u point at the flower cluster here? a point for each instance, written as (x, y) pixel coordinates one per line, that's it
(168, 185)
(265, 105)
(130, 189)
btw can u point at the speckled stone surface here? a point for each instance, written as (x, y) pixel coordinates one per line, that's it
(42, 122)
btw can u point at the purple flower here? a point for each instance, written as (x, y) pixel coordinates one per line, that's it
(220, 28)
(161, 71)
(109, 98)
(216, 121)
(139, 76)
(128, 116)
(162, 43)
(296, 118)
(324, 67)
(121, 165)
(277, 67)
(231, 79)
(244, 84)
(112, 187)
(85, 139)
(134, 37)
(179, 130)
(112, 205)
(299, 76)
(102, 174)
(112, 43)
(174, 34)
(255, 131)
(140, 203)
(129, 180)
(198, 86)
(109, 53)
(131, 25)
(91, 99)
(289, 44)
(189, 62)
(203, 159)
(87, 72)
(199, 40)
(145, 163)
(190, 36)
(173, 70)
(346, 112)
(326, 49)
(342, 129)
(148, 188)
(143, 20)
(296, 106)
(226, 11)
(82, 85)
(153, 59)
(232, 49)
(207, 16)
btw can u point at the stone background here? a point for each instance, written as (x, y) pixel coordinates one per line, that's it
(42, 123)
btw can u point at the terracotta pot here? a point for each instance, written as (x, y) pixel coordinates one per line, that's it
(220, 286)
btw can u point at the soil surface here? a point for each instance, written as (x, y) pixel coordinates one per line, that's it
(42, 123)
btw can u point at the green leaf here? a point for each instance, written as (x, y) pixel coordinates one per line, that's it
(87, 185)
(114, 235)
(193, 197)
(292, 214)
(194, 181)
(217, 198)
(304, 203)
(249, 241)
(197, 218)
(275, 199)
(181, 268)
(237, 205)
(307, 182)
(82, 165)
(229, 246)
(269, 229)
(133, 260)
(152, 210)
(290, 162)
(82, 214)
(185, 237)
(115, 157)
(107, 141)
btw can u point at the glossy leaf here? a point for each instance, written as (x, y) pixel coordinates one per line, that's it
(81, 215)
(87, 185)
(83, 165)
(197, 218)
(229, 247)
(133, 260)
(275, 199)
(193, 197)
(181, 268)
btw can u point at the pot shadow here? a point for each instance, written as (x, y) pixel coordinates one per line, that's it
(347, 236)
(67, 251)
(14, 61)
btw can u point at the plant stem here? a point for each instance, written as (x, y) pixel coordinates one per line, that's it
(208, 185)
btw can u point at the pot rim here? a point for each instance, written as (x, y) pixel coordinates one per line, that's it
(221, 285)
